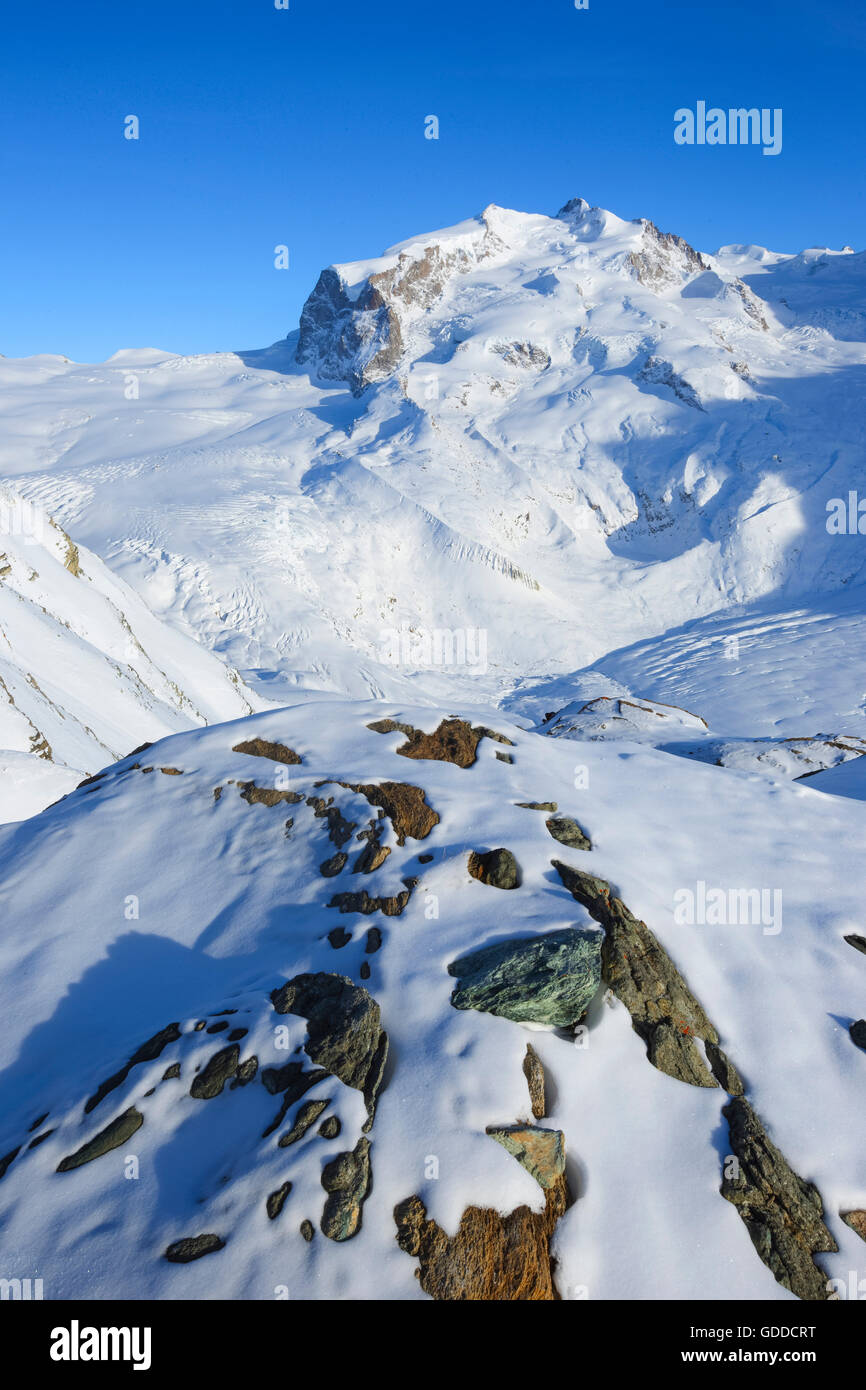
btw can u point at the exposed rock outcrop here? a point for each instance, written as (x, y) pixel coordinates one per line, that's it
(454, 741)
(642, 975)
(782, 1213)
(115, 1134)
(533, 1070)
(492, 1257)
(496, 867)
(344, 1032)
(347, 1180)
(549, 978)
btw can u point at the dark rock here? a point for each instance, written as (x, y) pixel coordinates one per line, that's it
(496, 867)
(374, 854)
(549, 978)
(260, 748)
(148, 1052)
(219, 1027)
(171, 1073)
(504, 758)
(533, 1070)
(221, 1066)
(306, 1116)
(339, 938)
(537, 805)
(330, 1128)
(425, 858)
(297, 1086)
(183, 1252)
(40, 1138)
(664, 1012)
(858, 942)
(7, 1161)
(115, 1134)
(333, 866)
(567, 831)
(237, 1033)
(724, 1070)
(858, 1032)
(40, 1121)
(373, 941)
(782, 1213)
(277, 1200)
(265, 796)
(246, 1073)
(308, 1230)
(363, 903)
(339, 829)
(344, 1033)
(346, 1179)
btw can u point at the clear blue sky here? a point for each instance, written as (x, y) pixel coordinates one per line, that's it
(306, 127)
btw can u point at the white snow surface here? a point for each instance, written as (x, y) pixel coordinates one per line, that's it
(569, 460)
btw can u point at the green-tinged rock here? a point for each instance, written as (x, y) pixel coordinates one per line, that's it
(567, 831)
(497, 867)
(346, 1179)
(277, 1200)
(220, 1067)
(782, 1212)
(183, 1252)
(540, 1151)
(306, 1116)
(107, 1139)
(548, 978)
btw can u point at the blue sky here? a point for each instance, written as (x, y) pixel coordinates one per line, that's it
(305, 127)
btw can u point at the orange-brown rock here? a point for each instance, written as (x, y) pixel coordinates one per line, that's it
(492, 1258)
(404, 805)
(260, 748)
(454, 741)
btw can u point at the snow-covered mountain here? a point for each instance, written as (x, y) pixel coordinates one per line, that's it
(574, 427)
(546, 533)
(86, 671)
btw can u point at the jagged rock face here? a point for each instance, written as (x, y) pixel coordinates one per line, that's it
(357, 336)
(357, 341)
(663, 1009)
(538, 979)
(782, 1213)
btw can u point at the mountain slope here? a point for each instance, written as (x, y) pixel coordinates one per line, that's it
(86, 671)
(152, 1124)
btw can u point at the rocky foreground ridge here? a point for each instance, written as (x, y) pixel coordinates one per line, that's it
(397, 952)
